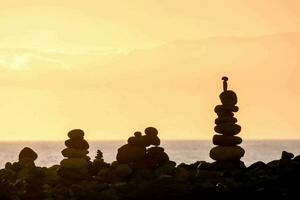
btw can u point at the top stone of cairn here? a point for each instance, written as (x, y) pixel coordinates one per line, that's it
(227, 97)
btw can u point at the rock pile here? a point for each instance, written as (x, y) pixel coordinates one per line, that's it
(136, 154)
(75, 164)
(227, 149)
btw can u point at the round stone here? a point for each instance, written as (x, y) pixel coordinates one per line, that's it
(222, 153)
(221, 120)
(228, 98)
(76, 134)
(223, 108)
(148, 140)
(224, 140)
(27, 153)
(74, 153)
(130, 153)
(74, 163)
(228, 129)
(151, 131)
(77, 144)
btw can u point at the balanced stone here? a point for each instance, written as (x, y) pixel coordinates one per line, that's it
(222, 108)
(130, 153)
(151, 131)
(74, 163)
(225, 114)
(77, 143)
(224, 140)
(27, 153)
(223, 153)
(221, 120)
(74, 153)
(228, 98)
(228, 129)
(76, 134)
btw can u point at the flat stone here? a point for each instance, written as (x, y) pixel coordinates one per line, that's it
(223, 153)
(228, 129)
(223, 108)
(74, 153)
(130, 153)
(221, 120)
(74, 163)
(27, 153)
(224, 140)
(228, 98)
(76, 134)
(225, 114)
(77, 143)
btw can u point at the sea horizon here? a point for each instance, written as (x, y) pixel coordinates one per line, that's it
(180, 151)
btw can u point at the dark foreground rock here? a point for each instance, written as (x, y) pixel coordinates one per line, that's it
(278, 179)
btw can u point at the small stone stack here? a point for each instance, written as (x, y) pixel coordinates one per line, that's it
(136, 154)
(227, 150)
(75, 165)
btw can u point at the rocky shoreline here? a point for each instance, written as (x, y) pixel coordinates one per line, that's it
(278, 179)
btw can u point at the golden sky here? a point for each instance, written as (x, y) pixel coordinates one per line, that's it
(114, 67)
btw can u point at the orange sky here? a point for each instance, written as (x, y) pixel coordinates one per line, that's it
(114, 67)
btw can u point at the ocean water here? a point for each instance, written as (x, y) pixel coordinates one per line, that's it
(49, 153)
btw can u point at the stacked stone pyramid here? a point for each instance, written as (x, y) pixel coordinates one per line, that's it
(75, 164)
(226, 139)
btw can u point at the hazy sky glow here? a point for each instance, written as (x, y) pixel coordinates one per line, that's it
(114, 67)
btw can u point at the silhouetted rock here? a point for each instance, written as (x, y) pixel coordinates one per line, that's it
(76, 134)
(27, 153)
(286, 155)
(224, 140)
(74, 153)
(227, 153)
(228, 98)
(77, 144)
(136, 153)
(221, 120)
(228, 129)
(130, 153)
(257, 165)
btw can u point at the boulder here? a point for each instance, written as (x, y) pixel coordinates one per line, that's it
(74, 163)
(28, 153)
(77, 144)
(74, 153)
(223, 153)
(130, 153)
(221, 120)
(228, 98)
(228, 129)
(76, 134)
(224, 140)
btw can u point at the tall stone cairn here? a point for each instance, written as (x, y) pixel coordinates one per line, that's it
(227, 149)
(76, 162)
